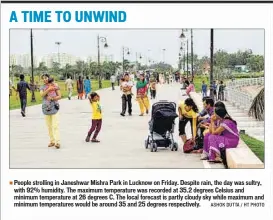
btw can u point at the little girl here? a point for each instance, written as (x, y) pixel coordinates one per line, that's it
(96, 118)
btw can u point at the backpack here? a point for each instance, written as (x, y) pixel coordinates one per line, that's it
(199, 139)
(188, 147)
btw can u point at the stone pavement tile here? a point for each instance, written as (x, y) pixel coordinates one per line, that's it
(122, 138)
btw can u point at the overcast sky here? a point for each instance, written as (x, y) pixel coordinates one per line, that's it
(83, 43)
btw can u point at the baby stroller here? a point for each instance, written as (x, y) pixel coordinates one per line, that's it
(161, 126)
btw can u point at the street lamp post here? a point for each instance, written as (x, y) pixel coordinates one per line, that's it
(211, 62)
(187, 58)
(124, 49)
(192, 55)
(32, 66)
(103, 40)
(58, 43)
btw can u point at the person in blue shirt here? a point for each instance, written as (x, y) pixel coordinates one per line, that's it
(204, 89)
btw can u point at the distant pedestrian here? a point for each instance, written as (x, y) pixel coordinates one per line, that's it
(126, 87)
(204, 89)
(190, 87)
(69, 86)
(80, 87)
(113, 80)
(221, 91)
(87, 86)
(11, 86)
(94, 99)
(22, 87)
(153, 88)
(214, 89)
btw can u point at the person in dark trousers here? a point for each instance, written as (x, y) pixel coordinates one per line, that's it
(22, 87)
(126, 88)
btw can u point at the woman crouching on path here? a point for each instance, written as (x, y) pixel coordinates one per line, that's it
(188, 112)
(142, 95)
(50, 93)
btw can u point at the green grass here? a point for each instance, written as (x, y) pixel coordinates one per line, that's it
(15, 103)
(255, 145)
(198, 82)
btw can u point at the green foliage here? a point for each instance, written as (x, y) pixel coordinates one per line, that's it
(15, 103)
(255, 145)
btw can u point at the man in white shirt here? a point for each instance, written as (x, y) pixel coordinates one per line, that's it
(69, 86)
(126, 88)
(113, 80)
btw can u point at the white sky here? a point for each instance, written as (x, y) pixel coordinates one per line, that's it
(83, 43)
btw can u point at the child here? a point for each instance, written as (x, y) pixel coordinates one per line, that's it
(96, 118)
(153, 89)
(52, 93)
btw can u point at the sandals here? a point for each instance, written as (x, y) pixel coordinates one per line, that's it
(204, 157)
(57, 146)
(141, 115)
(51, 145)
(95, 141)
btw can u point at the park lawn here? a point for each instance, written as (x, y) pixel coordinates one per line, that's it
(255, 145)
(15, 103)
(198, 82)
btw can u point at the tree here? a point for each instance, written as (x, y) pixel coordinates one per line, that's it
(56, 68)
(67, 70)
(257, 108)
(255, 63)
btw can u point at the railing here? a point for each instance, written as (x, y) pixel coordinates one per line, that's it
(234, 95)
(238, 98)
(246, 82)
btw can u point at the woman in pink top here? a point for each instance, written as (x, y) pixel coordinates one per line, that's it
(190, 87)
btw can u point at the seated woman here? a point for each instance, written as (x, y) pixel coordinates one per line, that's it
(222, 137)
(190, 87)
(188, 112)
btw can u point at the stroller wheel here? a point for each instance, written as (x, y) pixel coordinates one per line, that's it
(154, 147)
(146, 144)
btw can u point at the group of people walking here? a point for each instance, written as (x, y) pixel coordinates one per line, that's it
(143, 87)
(218, 88)
(83, 87)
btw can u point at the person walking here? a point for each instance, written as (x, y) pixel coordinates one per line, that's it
(94, 99)
(87, 86)
(204, 89)
(126, 87)
(142, 95)
(69, 86)
(50, 106)
(221, 91)
(153, 88)
(80, 87)
(22, 87)
(113, 80)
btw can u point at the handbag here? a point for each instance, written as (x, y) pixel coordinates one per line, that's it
(188, 146)
(50, 108)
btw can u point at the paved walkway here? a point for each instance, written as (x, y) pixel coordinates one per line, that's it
(122, 138)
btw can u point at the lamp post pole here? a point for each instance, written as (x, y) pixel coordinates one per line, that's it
(103, 39)
(187, 58)
(123, 57)
(32, 66)
(211, 62)
(99, 69)
(192, 54)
